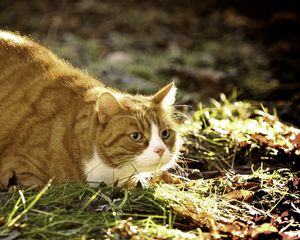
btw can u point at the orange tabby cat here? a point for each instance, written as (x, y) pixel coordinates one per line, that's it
(57, 121)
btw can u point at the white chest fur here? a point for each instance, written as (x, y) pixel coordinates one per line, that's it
(97, 171)
(148, 161)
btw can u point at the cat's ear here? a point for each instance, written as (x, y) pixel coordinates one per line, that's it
(107, 106)
(166, 96)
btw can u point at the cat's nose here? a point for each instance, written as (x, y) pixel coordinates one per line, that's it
(160, 151)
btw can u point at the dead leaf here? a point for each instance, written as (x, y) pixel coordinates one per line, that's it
(191, 212)
(240, 195)
(247, 185)
(284, 214)
(166, 177)
(295, 181)
(266, 228)
(131, 184)
(260, 139)
(169, 178)
(291, 235)
(243, 144)
(296, 141)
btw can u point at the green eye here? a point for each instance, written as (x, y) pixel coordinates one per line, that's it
(165, 134)
(136, 137)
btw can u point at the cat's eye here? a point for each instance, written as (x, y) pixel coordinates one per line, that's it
(136, 136)
(165, 134)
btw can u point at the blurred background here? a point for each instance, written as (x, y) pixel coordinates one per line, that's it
(206, 47)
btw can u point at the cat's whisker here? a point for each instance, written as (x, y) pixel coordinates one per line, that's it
(182, 115)
(182, 105)
(179, 168)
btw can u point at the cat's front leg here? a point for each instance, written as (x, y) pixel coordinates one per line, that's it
(19, 173)
(21, 179)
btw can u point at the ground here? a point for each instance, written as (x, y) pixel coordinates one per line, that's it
(240, 161)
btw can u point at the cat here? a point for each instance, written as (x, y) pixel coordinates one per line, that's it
(58, 122)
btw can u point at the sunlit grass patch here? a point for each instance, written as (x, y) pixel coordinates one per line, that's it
(230, 133)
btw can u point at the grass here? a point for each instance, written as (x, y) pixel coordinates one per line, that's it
(188, 210)
(232, 206)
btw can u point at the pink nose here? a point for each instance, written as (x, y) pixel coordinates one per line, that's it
(160, 151)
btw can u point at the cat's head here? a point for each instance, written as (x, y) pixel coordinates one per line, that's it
(137, 131)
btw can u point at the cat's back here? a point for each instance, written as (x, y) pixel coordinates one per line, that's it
(19, 54)
(11, 40)
(25, 68)
(24, 62)
(35, 84)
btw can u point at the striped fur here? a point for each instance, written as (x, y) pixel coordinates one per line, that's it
(55, 118)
